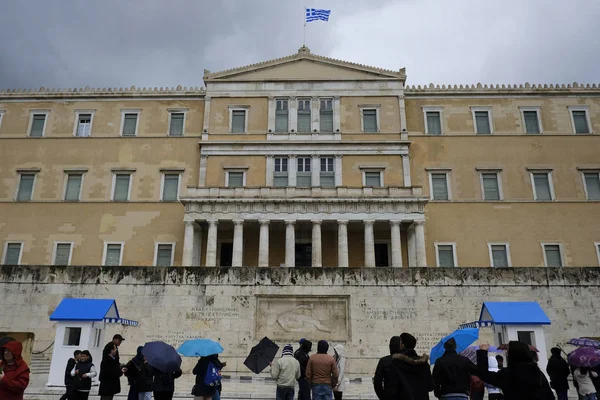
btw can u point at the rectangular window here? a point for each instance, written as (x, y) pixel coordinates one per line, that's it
(177, 123)
(84, 125)
(62, 254)
(281, 115)
(580, 120)
(531, 121)
(12, 253)
(97, 337)
(38, 124)
(304, 116)
(490, 183)
(235, 179)
(170, 187)
(483, 124)
(553, 255)
(542, 186)
(369, 116)
(280, 178)
(439, 186)
(327, 177)
(72, 337)
(73, 189)
(121, 184)
(433, 120)
(372, 178)
(592, 185)
(526, 337)
(326, 115)
(164, 254)
(26, 184)
(446, 254)
(499, 256)
(130, 124)
(113, 254)
(303, 177)
(238, 121)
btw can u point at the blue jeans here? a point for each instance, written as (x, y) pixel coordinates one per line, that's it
(455, 398)
(284, 393)
(144, 395)
(322, 392)
(591, 396)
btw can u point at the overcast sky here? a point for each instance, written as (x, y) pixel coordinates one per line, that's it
(102, 43)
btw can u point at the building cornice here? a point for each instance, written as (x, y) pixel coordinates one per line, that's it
(101, 93)
(502, 90)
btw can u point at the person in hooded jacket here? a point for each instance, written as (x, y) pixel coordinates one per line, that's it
(110, 375)
(14, 374)
(143, 380)
(413, 370)
(558, 371)
(131, 370)
(163, 385)
(83, 372)
(68, 378)
(340, 361)
(521, 379)
(302, 356)
(202, 391)
(322, 373)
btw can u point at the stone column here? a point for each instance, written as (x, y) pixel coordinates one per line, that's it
(315, 170)
(188, 244)
(412, 248)
(263, 244)
(197, 254)
(369, 244)
(292, 170)
(343, 244)
(406, 170)
(238, 243)
(211, 244)
(290, 243)
(396, 244)
(420, 243)
(317, 256)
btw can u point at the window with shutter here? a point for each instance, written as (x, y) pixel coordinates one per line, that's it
(327, 176)
(280, 178)
(281, 115)
(164, 254)
(369, 120)
(439, 186)
(326, 115)
(121, 192)
(553, 256)
(532, 123)
(238, 121)
(372, 178)
(304, 115)
(434, 123)
(482, 122)
(170, 187)
(37, 125)
(25, 192)
(445, 255)
(541, 182)
(62, 254)
(84, 125)
(176, 128)
(303, 177)
(129, 124)
(73, 190)
(113, 254)
(13, 254)
(592, 185)
(580, 121)
(491, 190)
(235, 179)
(499, 255)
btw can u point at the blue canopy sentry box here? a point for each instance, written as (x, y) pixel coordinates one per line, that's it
(81, 324)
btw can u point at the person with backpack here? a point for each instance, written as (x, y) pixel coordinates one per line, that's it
(83, 373)
(208, 377)
(68, 378)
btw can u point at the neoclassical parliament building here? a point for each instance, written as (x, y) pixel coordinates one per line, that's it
(302, 161)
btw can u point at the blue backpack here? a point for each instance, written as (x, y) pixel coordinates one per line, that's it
(213, 375)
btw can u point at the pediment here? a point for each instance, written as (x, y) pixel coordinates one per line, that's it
(304, 66)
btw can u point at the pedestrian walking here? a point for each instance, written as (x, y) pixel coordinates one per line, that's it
(452, 374)
(521, 379)
(83, 373)
(285, 371)
(203, 390)
(116, 340)
(110, 375)
(302, 355)
(163, 385)
(586, 389)
(131, 370)
(68, 378)
(14, 372)
(340, 362)
(494, 393)
(322, 373)
(558, 371)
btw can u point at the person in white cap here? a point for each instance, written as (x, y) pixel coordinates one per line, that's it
(286, 371)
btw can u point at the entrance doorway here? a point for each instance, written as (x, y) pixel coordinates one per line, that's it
(303, 255)
(382, 255)
(226, 255)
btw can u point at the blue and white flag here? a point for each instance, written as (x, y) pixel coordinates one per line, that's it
(314, 14)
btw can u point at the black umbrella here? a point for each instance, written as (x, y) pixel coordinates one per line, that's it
(261, 355)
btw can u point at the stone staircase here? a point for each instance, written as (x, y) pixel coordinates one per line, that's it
(39, 364)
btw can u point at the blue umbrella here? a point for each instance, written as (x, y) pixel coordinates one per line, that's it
(200, 348)
(463, 337)
(162, 356)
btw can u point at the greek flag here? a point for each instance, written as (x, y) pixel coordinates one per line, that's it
(314, 14)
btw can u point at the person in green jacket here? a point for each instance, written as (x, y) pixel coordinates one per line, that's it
(286, 371)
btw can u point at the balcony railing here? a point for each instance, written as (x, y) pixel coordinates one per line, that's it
(309, 192)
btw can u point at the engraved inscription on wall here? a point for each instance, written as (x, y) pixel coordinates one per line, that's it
(212, 314)
(294, 317)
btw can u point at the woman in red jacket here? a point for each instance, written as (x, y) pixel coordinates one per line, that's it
(14, 373)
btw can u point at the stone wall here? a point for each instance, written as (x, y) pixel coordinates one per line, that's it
(237, 306)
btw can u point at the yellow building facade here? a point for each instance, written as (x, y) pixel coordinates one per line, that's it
(302, 161)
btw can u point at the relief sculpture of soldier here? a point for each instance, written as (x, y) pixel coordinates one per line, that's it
(299, 318)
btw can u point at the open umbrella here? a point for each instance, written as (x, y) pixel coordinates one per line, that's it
(585, 342)
(471, 352)
(261, 355)
(584, 357)
(504, 347)
(200, 348)
(162, 356)
(463, 338)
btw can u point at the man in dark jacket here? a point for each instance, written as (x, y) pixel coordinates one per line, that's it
(163, 385)
(117, 340)
(415, 370)
(68, 377)
(302, 356)
(452, 374)
(558, 371)
(110, 375)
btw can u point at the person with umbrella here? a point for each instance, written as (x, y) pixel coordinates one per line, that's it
(206, 366)
(452, 373)
(586, 389)
(163, 384)
(584, 360)
(285, 371)
(558, 371)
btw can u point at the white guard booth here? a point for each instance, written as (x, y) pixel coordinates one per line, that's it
(81, 324)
